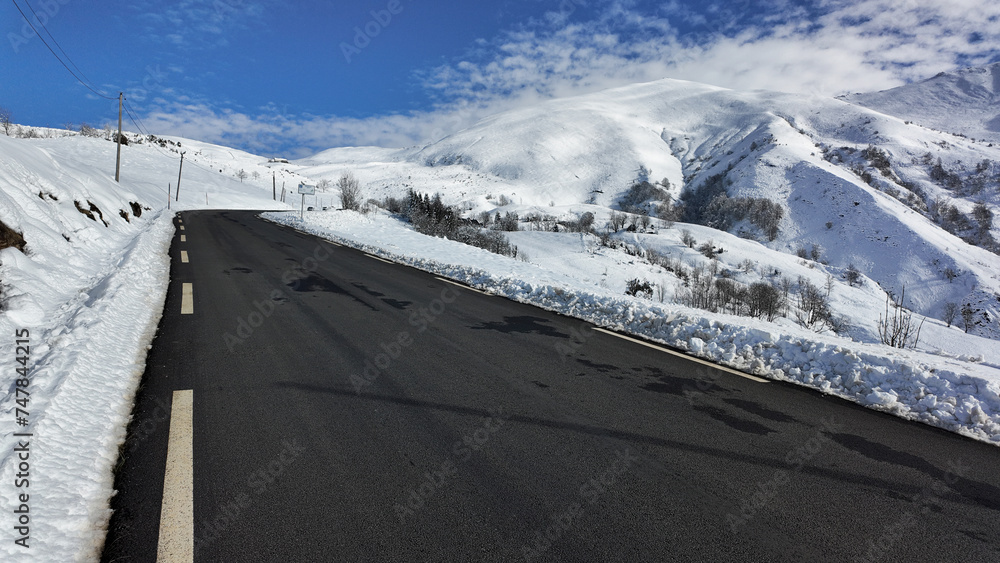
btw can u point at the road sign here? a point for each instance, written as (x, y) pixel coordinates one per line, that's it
(306, 189)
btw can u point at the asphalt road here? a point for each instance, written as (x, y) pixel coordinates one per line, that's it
(347, 409)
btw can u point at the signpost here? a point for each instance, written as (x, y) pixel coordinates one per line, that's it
(305, 189)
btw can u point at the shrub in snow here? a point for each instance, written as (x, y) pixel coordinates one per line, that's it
(897, 329)
(639, 288)
(430, 216)
(852, 275)
(879, 160)
(508, 222)
(640, 194)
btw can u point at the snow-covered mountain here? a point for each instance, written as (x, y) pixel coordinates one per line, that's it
(965, 102)
(894, 199)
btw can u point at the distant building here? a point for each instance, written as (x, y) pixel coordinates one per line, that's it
(277, 160)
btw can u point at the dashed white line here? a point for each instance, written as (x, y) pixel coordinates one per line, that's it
(176, 539)
(187, 299)
(182, 227)
(184, 256)
(463, 286)
(184, 238)
(685, 356)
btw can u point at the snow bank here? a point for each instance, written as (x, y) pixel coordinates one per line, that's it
(86, 370)
(957, 395)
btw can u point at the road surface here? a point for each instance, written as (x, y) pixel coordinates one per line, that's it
(342, 408)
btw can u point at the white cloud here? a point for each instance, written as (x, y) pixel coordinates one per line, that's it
(827, 47)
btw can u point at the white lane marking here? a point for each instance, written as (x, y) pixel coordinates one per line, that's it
(377, 258)
(182, 227)
(685, 356)
(187, 299)
(184, 238)
(184, 256)
(463, 286)
(176, 540)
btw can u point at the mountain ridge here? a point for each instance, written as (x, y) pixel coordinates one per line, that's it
(867, 188)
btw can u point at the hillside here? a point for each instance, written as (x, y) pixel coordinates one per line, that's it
(902, 212)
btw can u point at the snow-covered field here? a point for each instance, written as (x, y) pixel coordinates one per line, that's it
(90, 284)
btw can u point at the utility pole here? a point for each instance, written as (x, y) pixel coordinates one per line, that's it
(168, 195)
(118, 160)
(274, 186)
(179, 178)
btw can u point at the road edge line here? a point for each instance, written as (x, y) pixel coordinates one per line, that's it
(685, 356)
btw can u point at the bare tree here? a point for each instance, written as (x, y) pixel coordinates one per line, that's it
(897, 329)
(617, 221)
(242, 174)
(661, 291)
(350, 192)
(968, 317)
(950, 311)
(687, 238)
(5, 120)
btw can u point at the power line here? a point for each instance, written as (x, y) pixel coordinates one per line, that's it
(49, 33)
(86, 82)
(47, 46)
(133, 117)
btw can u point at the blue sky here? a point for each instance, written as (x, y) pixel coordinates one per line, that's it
(297, 77)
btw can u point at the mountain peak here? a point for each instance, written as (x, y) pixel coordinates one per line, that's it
(964, 102)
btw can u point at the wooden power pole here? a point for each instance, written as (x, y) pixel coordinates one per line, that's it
(181, 169)
(118, 160)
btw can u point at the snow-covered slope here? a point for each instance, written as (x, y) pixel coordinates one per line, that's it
(805, 153)
(965, 102)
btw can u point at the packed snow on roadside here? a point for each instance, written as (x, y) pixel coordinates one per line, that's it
(960, 395)
(88, 291)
